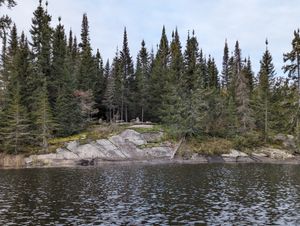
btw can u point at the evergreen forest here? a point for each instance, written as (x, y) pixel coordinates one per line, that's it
(53, 84)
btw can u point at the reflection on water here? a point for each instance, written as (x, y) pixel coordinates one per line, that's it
(152, 194)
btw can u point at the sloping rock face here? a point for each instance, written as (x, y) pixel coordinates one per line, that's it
(237, 156)
(277, 154)
(288, 141)
(123, 147)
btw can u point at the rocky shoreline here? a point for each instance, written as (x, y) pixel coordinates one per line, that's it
(131, 146)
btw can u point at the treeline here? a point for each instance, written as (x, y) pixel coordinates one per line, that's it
(53, 85)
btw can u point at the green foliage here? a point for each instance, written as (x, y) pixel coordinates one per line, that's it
(180, 88)
(209, 146)
(5, 20)
(44, 123)
(249, 140)
(15, 130)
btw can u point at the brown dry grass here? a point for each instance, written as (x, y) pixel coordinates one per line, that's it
(12, 160)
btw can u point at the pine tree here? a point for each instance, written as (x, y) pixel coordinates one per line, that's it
(67, 112)
(190, 80)
(266, 82)
(176, 58)
(109, 94)
(225, 67)
(293, 70)
(204, 78)
(3, 71)
(44, 123)
(15, 131)
(5, 20)
(212, 73)
(127, 72)
(249, 74)
(142, 81)
(59, 60)
(24, 66)
(118, 86)
(235, 70)
(99, 87)
(174, 96)
(41, 35)
(10, 71)
(87, 68)
(244, 111)
(159, 77)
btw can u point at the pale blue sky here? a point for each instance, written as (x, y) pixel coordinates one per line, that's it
(248, 21)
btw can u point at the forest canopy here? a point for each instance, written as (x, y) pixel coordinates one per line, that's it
(54, 84)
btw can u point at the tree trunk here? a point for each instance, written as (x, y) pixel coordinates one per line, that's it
(266, 120)
(298, 108)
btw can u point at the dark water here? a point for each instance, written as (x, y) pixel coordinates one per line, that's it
(212, 194)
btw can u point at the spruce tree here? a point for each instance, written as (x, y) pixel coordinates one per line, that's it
(108, 99)
(225, 67)
(59, 58)
(127, 72)
(212, 73)
(174, 96)
(235, 70)
(44, 124)
(176, 58)
(10, 72)
(5, 20)
(15, 131)
(99, 87)
(266, 81)
(204, 78)
(249, 74)
(118, 86)
(244, 110)
(190, 80)
(159, 77)
(67, 112)
(87, 70)
(142, 81)
(41, 35)
(293, 70)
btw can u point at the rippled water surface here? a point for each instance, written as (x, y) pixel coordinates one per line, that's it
(138, 194)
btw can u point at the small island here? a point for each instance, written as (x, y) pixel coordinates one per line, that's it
(149, 112)
(56, 89)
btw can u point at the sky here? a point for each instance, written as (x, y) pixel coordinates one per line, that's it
(250, 22)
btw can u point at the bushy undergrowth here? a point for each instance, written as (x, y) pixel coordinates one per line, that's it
(209, 146)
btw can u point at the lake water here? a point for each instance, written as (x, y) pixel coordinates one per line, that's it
(139, 194)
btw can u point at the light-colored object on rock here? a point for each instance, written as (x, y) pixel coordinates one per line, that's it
(234, 154)
(142, 126)
(276, 153)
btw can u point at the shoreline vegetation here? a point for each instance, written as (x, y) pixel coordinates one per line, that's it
(56, 91)
(147, 144)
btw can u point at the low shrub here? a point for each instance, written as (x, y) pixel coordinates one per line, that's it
(210, 146)
(248, 141)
